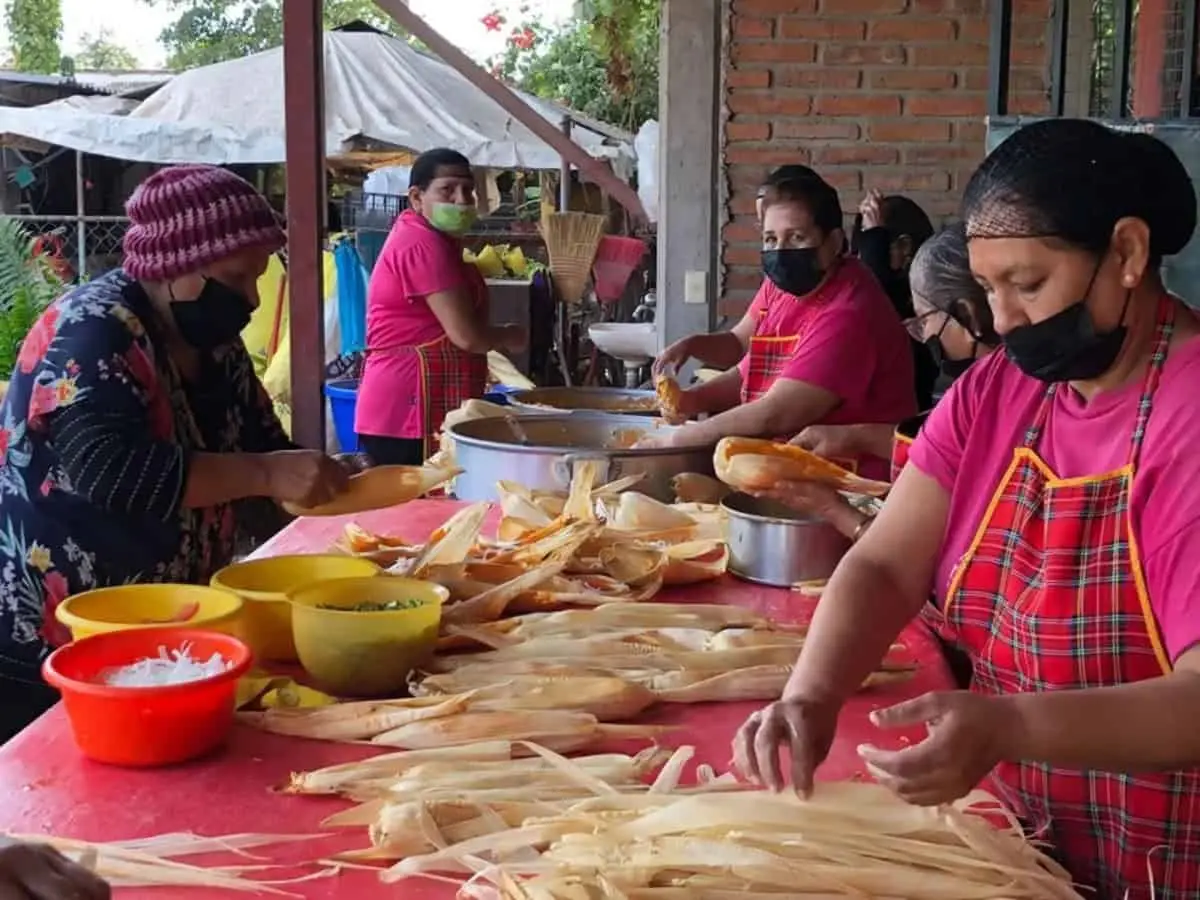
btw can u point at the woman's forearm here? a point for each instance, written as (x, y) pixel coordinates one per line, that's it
(215, 478)
(712, 397)
(861, 612)
(722, 350)
(1141, 727)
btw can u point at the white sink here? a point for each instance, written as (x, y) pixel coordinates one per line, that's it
(635, 343)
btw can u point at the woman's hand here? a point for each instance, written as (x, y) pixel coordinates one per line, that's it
(39, 872)
(820, 500)
(662, 438)
(830, 441)
(675, 356)
(968, 735)
(353, 462)
(872, 216)
(806, 727)
(305, 478)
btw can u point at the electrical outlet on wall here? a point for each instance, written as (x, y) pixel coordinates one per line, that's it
(695, 287)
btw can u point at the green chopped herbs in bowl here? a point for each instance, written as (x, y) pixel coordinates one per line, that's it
(389, 606)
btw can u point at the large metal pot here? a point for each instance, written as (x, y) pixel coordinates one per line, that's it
(618, 401)
(540, 452)
(774, 545)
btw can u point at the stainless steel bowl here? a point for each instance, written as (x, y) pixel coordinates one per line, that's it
(774, 545)
(541, 451)
(613, 401)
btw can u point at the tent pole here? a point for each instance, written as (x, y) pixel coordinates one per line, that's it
(304, 106)
(564, 172)
(80, 215)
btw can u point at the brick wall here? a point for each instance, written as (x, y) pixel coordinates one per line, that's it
(886, 94)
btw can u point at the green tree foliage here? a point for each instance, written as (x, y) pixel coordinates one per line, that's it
(34, 31)
(211, 31)
(604, 62)
(28, 284)
(101, 53)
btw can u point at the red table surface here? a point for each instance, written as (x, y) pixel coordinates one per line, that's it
(47, 787)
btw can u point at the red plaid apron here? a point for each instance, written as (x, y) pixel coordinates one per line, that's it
(449, 378)
(1051, 596)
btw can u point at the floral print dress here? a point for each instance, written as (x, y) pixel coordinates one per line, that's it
(96, 433)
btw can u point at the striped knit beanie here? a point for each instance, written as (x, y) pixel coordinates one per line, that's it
(184, 218)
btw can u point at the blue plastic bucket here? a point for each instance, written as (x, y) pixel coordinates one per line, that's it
(343, 398)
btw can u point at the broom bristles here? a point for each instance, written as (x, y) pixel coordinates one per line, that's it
(571, 242)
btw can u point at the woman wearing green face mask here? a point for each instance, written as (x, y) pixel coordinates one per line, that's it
(427, 318)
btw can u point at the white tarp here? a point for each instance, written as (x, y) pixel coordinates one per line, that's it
(377, 88)
(646, 146)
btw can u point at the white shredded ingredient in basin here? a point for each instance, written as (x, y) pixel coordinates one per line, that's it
(173, 667)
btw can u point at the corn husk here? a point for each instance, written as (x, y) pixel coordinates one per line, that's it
(449, 545)
(379, 488)
(358, 721)
(390, 766)
(695, 562)
(749, 464)
(608, 698)
(691, 487)
(639, 513)
(558, 730)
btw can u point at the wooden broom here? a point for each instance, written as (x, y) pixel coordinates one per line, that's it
(571, 241)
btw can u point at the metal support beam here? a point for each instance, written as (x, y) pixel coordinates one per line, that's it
(304, 108)
(1058, 57)
(999, 56)
(1190, 49)
(1122, 45)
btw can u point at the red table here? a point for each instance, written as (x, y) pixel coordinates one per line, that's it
(45, 786)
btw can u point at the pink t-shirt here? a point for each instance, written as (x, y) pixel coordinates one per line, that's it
(417, 261)
(852, 344)
(968, 441)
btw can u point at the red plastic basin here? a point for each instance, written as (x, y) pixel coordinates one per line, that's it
(152, 726)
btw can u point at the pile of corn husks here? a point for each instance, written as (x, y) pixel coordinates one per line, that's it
(547, 828)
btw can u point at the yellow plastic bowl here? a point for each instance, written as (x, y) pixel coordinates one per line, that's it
(267, 585)
(129, 606)
(365, 654)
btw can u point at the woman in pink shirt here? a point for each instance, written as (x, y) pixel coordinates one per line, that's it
(427, 318)
(822, 341)
(1051, 502)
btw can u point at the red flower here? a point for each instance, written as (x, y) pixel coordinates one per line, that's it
(38, 341)
(523, 39)
(492, 21)
(54, 632)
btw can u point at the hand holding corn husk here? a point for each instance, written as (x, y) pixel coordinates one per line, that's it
(753, 465)
(379, 488)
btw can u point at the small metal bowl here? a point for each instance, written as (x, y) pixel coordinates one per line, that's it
(774, 545)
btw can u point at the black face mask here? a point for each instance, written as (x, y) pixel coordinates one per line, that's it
(950, 368)
(215, 318)
(794, 270)
(1066, 346)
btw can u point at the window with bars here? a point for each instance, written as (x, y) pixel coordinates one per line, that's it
(1146, 51)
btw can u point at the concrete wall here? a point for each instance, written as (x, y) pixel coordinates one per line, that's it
(886, 94)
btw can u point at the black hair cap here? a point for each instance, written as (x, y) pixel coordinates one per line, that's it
(787, 173)
(814, 194)
(425, 167)
(902, 216)
(1074, 179)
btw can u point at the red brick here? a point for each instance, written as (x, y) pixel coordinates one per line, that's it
(844, 179)
(862, 54)
(1028, 105)
(747, 78)
(742, 256)
(910, 181)
(823, 29)
(868, 7)
(765, 156)
(818, 77)
(808, 130)
(746, 27)
(962, 7)
(774, 51)
(1018, 80)
(907, 131)
(748, 131)
(746, 204)
(741, 232)
(861, 155)
(735, 307)
(912, 29)
(955, 104)
(773, 7)
(939, 154)
(858, 105)
(741, 279)
(970, 132)
(948, 55)
(913, 79)
(769, 103)
(1028, 55)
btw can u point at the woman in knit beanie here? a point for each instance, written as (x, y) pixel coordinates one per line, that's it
(136, 443)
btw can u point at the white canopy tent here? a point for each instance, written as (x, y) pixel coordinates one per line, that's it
(378, 90)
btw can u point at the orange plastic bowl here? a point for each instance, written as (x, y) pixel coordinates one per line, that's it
(151, 726)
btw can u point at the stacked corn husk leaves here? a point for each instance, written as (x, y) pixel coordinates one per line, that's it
(595, 545)
(561, 678)
(547, 828)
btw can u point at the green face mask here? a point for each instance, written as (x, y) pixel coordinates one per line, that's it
(452, 218)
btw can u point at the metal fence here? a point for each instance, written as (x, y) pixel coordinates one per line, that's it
(90, 245)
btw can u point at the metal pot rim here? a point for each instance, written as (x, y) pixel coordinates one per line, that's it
(582, 452)
(799, 519)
